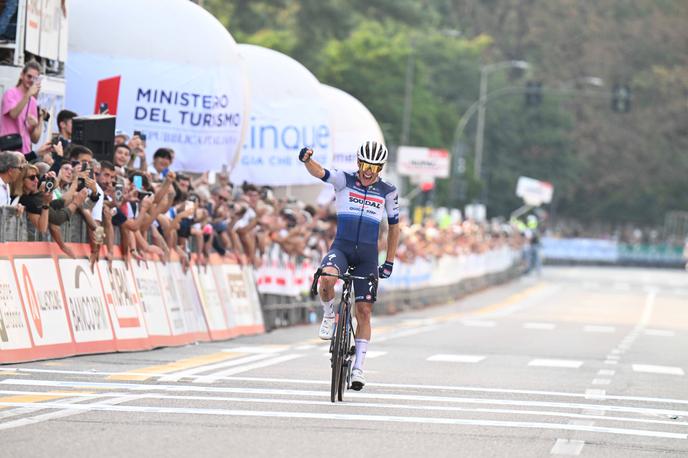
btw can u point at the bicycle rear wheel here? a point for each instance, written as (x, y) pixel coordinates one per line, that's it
(338, 353)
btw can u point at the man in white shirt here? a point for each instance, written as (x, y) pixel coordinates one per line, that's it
(10, 169)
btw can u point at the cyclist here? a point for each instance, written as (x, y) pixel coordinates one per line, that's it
(362, 199)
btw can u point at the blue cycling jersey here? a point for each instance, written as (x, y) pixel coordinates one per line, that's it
(360, 209)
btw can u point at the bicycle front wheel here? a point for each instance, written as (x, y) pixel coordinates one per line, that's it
(338, 353)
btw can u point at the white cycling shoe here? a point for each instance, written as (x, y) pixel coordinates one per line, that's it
(358, 381)
(326, 328)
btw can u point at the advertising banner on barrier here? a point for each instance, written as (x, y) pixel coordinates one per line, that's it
(41, 294)
(287, 113)
(211, 302)
(14, 333)
(124, 305)
(53, 306)
(87, 309)
(152, 302)
(190, 303)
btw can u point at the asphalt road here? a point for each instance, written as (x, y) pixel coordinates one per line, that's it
(578, 361)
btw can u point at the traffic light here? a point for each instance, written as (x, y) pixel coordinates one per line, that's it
(621, 98)
(533, 93)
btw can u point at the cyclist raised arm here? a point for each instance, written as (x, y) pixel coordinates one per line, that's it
(362, 200)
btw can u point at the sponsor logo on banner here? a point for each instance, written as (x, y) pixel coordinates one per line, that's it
(85, 302)
(239, 295)
(40, 290)
(32, 301)
(122, 300)
(151, 298)
(13, 332)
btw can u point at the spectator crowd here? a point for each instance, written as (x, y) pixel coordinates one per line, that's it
(152, 211)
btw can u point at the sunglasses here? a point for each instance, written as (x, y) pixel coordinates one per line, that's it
(31, 177)
(365, 166)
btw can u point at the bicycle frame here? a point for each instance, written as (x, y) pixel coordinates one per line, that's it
(340, 346)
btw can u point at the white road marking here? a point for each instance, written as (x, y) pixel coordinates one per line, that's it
(248, 367)
(176, 376)
(375, 354)
(567, 447)
(601, 381)
(479, 323)
(406, 332)
(613, 357)
(670, 370)
(611, 361)
(282, 381)
(539, 326)
(596, 328)
(325, 393)
(578, 419)
(659, 333)
(569, 363)
(304, 347)
(67, 409)
(599, 395)
(606, 372)
(616, 351)
(258, 349)
(330, 416)
(456, 358)
(622, 286)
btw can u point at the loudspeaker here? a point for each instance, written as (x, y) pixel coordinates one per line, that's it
(96, 132)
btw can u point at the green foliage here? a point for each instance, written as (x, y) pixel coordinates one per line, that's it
(605, 166)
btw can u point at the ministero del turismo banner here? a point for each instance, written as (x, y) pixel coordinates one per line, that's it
(194, 110)
(53, 306)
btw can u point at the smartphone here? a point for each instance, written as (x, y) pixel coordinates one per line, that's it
(119, 191)
(138, 181)
(165, 172)
(102, 108)
(142, 136)
(54, 138)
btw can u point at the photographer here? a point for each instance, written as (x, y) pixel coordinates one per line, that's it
(20, 112)
(34, 198)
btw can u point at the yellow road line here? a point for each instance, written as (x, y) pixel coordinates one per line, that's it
(35, 398)
(145, 373)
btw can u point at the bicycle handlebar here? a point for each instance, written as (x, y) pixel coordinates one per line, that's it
(346, 277)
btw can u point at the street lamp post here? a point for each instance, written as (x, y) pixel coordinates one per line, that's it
(485, 70)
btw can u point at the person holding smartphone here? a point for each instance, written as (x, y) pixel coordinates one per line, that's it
(20, 111)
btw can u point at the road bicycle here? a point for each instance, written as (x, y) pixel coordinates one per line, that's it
(342, 349)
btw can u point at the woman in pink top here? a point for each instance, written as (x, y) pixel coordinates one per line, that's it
(19, 107)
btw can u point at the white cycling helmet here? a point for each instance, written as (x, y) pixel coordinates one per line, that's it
(372, 153)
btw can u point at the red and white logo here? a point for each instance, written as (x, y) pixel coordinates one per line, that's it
(32, 301)
(360, 199)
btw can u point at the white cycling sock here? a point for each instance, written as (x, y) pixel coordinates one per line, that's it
(328, 307)
(361, 349)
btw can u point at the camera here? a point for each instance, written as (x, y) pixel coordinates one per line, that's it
(193, 198)
(49, 184)
(119, 191)
(144, 194)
